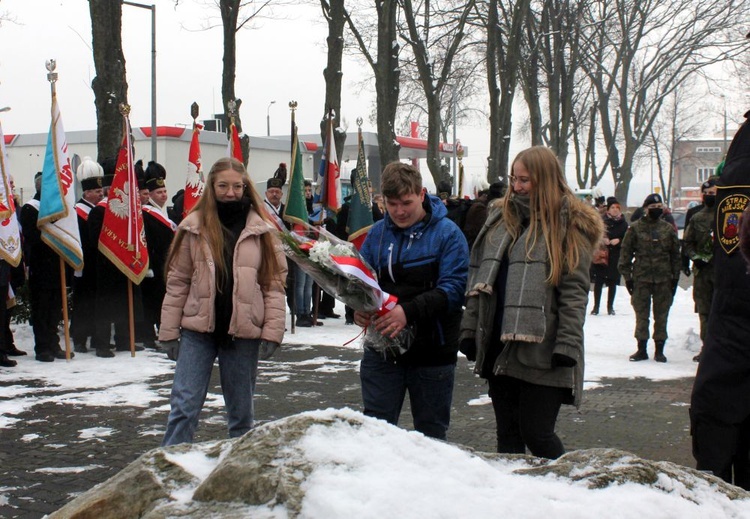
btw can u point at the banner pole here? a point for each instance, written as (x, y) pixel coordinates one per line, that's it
(131, 320)
(66, 323)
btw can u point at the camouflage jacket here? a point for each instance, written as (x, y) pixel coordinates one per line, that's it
(650, 252)
(698, 242)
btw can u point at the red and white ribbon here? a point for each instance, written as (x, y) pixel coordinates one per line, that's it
(355, 267)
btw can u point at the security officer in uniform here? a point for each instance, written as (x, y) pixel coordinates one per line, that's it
(698, 246)
(650, 264)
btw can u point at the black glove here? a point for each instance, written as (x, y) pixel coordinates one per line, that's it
(629, 286)
(675, 284)
(562, 361)
(469, 348)
(267, 349)
(171, 348)
(699, 264)
(686, 271)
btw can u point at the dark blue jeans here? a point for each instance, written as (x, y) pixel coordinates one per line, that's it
(238, 369)
(384, 386)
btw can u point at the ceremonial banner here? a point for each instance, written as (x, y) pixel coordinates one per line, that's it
(58, 221)
(122, 239)
(329, 181)
(234, 149)
(360, 207)
(10, 235)
(295, 208)
(194, 182)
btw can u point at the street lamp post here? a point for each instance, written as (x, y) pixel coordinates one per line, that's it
(152, 8)
(268, 119)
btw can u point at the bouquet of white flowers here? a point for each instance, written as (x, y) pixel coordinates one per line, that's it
(337, 268)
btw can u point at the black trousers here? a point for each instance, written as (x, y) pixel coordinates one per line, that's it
(526, 415)
(723, 449)
(612, 290)
(46, 314)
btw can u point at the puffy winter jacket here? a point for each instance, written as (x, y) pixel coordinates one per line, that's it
(425, 266)
(191, 287)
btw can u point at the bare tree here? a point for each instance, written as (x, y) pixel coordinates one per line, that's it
(552, 67)
(505, 23)
(385, 67)
(434, 34)
(642, 50)
(333, 12)
(110, 85)
(235, 15)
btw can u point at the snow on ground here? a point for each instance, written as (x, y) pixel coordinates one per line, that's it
(379, 470)
(124, 380)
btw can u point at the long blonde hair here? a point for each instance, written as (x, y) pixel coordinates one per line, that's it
(213, 231)
(549, 193)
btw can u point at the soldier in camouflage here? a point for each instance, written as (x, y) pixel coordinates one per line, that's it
(698, 246)
(650, 264)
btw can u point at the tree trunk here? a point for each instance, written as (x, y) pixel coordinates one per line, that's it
(333, 73)
(110, 85)
(229, 14)
(387, 77)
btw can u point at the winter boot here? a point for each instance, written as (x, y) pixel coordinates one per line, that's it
(641, 354)
(595, 311)
(659, 355)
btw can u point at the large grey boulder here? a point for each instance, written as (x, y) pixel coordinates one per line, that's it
(305, 465)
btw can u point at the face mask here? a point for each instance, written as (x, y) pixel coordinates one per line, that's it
(655, 213)
(709, 200)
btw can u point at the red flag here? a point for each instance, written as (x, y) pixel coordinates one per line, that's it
(234, 149)
(122, 239)
(194, 182)
(330, 190)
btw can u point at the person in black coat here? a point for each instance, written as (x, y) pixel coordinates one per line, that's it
(90, 174)
(720, 402)
(44, 282)
(111, 284)
(615, 228)
(159, 230)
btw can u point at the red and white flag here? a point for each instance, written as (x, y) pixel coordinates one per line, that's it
(194, 182)
(10, 234)
(328, 175)
(122, 239)
(234, 149)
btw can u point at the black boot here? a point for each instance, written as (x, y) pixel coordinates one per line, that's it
(659, 355)
(641, 354)
(595, 311)
(6, 362)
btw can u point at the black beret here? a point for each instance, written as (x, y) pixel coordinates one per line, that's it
(711, 182)
(274, 182)
(653, 198)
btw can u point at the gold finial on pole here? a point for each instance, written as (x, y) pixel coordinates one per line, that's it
(194, 111)
(293, 108)
(359, 122)
(124, 109)
(459, 150)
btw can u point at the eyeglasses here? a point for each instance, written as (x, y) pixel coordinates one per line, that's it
(222, 188)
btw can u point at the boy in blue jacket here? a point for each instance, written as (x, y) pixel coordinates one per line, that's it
(422, 258)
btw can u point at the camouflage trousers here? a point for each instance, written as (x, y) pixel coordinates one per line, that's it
(643, 295)
(703, 293)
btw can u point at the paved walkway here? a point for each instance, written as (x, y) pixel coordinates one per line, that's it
(647, 418)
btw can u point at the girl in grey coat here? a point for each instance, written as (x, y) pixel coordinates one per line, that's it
(526, 302)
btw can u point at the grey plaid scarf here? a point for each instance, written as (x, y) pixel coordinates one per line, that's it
(526, 289)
